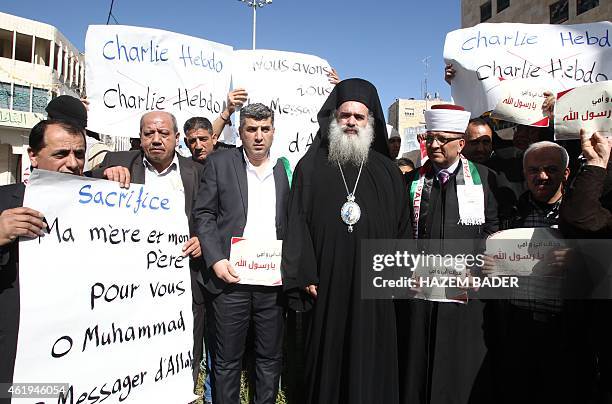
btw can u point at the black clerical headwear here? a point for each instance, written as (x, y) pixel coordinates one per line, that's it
(361, 91)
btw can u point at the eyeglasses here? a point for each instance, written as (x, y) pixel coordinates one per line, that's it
(429, 139)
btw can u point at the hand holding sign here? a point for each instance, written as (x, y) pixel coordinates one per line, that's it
(20, 222)
(224, 271)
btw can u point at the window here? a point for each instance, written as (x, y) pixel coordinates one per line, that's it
(21, 98)
(559, 12)
(40, 98)
(6, 44)
(485, 11)
(56, 57)
(585, 5)
(42, 51)
(502, 4)
(23, 48)
(408, 112)
(5, 95)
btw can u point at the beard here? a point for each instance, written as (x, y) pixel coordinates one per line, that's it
(353, 148)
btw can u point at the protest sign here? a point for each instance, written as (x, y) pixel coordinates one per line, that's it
(519, 251)
(566, 56)
(521, 102)
(587, 107)
(133, 70)
(257, 262)
(294, 86)
(106, 294)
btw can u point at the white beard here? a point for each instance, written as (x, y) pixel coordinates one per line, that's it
(344, 148)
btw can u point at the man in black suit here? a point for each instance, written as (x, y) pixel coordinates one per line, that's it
(244, 194)
(54, 145)
(158, 164)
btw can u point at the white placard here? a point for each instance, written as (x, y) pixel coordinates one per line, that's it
(521, 102)
(566, 56)
(257, 262)
(106, 295)
(587, 107)
(294, 86)
(133, 70)
(519, 251)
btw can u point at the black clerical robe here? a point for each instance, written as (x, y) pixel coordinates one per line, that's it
(442, 345)
(351, 347)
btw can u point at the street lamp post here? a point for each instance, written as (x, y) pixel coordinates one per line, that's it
(254, 4)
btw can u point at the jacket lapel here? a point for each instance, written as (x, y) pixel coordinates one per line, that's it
(137, 169)
(186, 170)
(240, 168)
(281, 185)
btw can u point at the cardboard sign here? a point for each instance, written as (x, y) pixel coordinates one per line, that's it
(565, 56)
(587, 107)
(257, 261)
(133, 70)
(106, 294)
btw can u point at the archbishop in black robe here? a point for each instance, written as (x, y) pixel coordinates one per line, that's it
(351, 351)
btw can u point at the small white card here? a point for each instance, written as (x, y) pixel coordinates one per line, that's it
(257, 261)
(471, 204)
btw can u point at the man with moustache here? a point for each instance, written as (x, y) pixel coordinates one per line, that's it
(345, 189)
(442, 343)
(199, 137)
(156, 163)
(54, 145)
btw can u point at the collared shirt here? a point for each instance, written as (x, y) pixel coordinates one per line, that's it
(261, 212)
(170, 178)
(450, 170)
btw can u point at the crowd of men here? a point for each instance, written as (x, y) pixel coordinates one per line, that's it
(348, 188)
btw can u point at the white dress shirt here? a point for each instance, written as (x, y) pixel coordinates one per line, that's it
(261, 212)
(170, 178)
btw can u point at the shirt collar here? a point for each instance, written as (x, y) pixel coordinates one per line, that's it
(450, 169)
(173, 165)
(251, 167)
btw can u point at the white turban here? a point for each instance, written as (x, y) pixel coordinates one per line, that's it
(447, 118)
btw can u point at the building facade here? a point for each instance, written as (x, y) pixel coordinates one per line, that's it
(37, 63)
(408, 117)
(535, 12)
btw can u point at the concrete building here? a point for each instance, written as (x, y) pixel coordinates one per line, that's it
(407, 116)
(535, 12)
(37, 63)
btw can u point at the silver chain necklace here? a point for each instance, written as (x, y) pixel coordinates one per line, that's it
(350, 211)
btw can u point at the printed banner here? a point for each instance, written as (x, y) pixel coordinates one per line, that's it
(565, 56)
(257, 261)
(294, 86)
(521, 103)
(587, 107)
(106, 294)
(133, 70)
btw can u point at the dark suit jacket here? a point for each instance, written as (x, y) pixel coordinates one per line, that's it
(191, 173)
(11, 196)
(220, 209)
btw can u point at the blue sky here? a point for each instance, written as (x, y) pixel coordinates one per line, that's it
(382, 41)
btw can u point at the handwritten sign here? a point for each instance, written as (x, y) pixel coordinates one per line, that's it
(133, 70)
(520, 251)
(521, 103)
(105, 295)
(294, 86)
(566, 56)
(257, 261)
(587, 107)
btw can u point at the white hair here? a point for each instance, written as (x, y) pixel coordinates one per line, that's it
(350, 149)
(547, 144)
